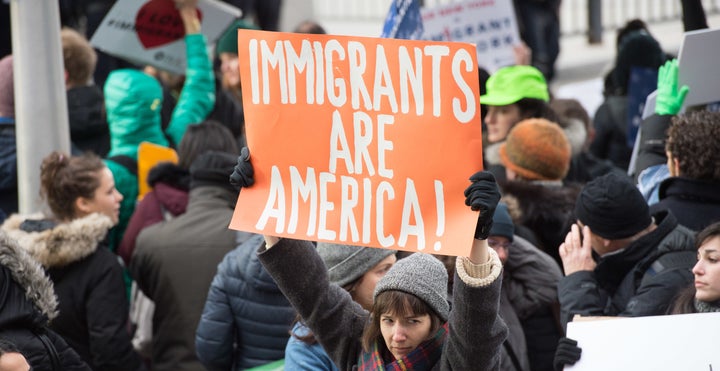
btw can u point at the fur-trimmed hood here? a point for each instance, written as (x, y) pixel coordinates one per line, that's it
(64, 243)
(576, 134)
(29, 275)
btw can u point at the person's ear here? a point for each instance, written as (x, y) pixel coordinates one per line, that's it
(676, 166)
(82, 206)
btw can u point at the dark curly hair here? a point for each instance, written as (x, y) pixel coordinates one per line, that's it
(693, 141)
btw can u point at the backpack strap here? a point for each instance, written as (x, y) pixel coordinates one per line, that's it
(50, 348)
(675, 259)
(127, 162)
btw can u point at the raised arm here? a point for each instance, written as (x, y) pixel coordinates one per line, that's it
(197, 97)
(476, 330)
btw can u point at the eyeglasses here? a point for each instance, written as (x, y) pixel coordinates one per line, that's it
(495, 244)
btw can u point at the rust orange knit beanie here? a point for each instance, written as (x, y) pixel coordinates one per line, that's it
(536, 149)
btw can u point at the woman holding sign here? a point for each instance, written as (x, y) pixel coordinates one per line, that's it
(410, 325)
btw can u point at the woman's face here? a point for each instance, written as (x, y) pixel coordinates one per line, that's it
(105, 200)
(229, 69)
(707, 271)
(363, 293)
(499, 120)
(403, 333)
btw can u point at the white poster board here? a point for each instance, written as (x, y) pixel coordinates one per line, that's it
(697, 60)
(490, 25)
(151, 32)
(688, 342)
(697, 67)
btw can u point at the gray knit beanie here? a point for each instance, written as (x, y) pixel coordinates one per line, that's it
(346, 263)
(421, 275)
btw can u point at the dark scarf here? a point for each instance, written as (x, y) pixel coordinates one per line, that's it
(705, 307)
(424, 357)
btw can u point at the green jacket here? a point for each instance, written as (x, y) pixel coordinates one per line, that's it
(133, 101)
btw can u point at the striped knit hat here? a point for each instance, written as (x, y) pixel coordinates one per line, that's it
(536, 149)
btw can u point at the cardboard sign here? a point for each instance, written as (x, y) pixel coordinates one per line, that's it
(360, 141)
(152, 32)
(687, 342)
(490, 25)
(149, 155)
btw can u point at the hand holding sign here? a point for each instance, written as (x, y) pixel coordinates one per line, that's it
(242, 175)
(483, 195)
(669, 98)
(567, 353)
(158, 23)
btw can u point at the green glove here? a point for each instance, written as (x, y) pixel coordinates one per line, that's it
(669, 98)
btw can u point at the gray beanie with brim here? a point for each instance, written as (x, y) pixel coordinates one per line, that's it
(421, 275)
(347, 263)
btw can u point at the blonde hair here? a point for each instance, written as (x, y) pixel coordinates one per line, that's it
(79, 58)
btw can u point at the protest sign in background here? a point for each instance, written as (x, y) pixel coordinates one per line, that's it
(490, 25)
(361, 141)
(685, 342)
(152, 32)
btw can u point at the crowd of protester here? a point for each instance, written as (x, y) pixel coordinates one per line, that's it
(107, 278)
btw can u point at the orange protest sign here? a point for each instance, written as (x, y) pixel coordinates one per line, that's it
(360, 141)
(149, 155)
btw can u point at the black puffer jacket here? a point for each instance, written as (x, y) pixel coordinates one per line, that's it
(28, 301)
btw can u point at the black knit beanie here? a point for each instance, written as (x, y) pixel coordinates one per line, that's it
(212, 168)
(612, 207)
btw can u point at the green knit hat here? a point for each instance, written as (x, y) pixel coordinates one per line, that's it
(510, 84)
(228, 42)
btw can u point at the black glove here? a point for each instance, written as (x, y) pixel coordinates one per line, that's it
(483, 195)
(242, 175)
(567, 353)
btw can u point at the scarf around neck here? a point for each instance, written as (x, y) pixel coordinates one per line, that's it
(424, 357)
(705, 307)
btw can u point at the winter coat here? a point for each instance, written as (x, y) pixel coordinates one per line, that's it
(546, 210)
(530, 283)
(86, 116)
(476, 331)
(610, 123)
(246, 320)
(28, 303)
(695, 203)
(132, 103)
(92, 310)
(514, 356)
(8, 167)
(653, 135)
(167, 199)
(629, 283)
(300, 355)
(180, 256)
